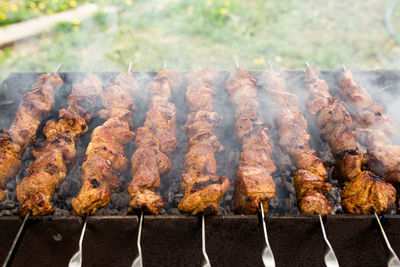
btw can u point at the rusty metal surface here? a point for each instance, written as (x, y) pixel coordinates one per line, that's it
(176, 240)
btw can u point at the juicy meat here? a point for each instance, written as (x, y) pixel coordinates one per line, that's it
(363, 192)
(35, 192)
(309, 179)
(154, 141)
(49, 169)
(335, 123)
(204, 194)
(10, 153)
(315, 203)
(83, 98)
(203, 189)
(364, 195)
(105, 155)
(254, 184)
(373, 129)
(35, 106)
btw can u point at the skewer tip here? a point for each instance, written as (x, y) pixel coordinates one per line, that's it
(307, 65)
(236, 59)
(344, 67)
(130, 66)
(165, 65)
(270, 65)
(59, 67)
(92, 68)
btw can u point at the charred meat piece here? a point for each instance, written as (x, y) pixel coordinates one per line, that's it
(203, 189)
(254, 184)
(363, 192)
(35, 106)
(105, 155)
(364, 195)
(154, 141)
(49, 169)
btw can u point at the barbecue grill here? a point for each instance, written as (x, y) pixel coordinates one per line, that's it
(171, 239)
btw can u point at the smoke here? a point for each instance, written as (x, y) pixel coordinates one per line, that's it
(190, 34)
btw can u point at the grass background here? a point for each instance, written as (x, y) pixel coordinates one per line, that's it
(190, 34)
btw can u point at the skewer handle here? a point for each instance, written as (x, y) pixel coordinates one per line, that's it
(393, 260)
(329, 257)
(16, 240)
(267, 255)
(76, 260)
(206, 262)
(138, 262)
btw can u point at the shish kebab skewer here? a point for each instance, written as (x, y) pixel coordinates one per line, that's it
(363, 192)
(203, 188)
(49, 169)
(310, 178)
(43, 100)
(372, 129)
(154, 141)
(254, 185)
(105, 153)
(35, 106)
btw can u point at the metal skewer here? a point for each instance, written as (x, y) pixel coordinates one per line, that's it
(206, 261)
(130, 66)
(91, 69)
(76, 260)
(59, 67)
(393, 260)
(330, 256)
(16, 240)
(138, 262)
(267, 255)
(22, 226)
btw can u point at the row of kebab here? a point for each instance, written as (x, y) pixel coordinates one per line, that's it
(368, 179)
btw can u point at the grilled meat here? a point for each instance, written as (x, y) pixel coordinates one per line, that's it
(154, 140)
(203, 189)
(35, 106)
(373, 129)
(362, 193)
(254, 183)
(309, 180)
(49, 169)
(105, 156)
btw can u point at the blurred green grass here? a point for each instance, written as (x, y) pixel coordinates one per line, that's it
(12, 11)
(190, 34)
